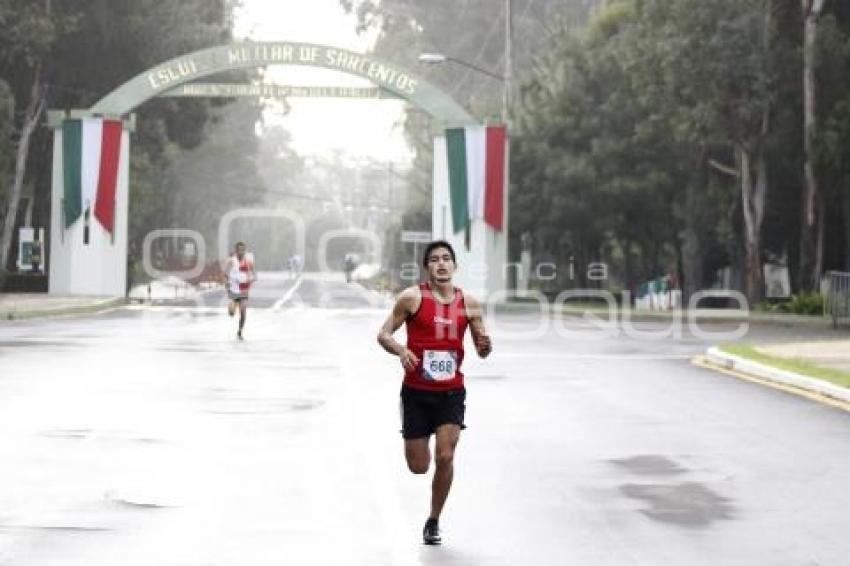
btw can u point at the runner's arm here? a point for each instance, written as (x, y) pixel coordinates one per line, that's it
(404, 306)
(225, 273)
(474, 312)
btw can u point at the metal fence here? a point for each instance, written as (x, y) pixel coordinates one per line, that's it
(838, 296)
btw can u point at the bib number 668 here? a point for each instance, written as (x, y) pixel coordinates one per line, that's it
(442, 366)
(439, 365)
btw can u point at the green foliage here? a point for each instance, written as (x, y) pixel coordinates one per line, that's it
(469, 30)
(619, 125)
(803, 303)
(80, 50)
(7, 111)
(29, 32)
(622, 125)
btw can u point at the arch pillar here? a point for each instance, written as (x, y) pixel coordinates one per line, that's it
(96, 265)
(482, 260)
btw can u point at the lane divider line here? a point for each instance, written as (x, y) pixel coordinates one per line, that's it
(287, 296)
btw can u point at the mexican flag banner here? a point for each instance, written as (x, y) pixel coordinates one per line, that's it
(91, 149)
(476, 159)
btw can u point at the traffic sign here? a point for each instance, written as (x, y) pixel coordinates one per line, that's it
(415, 237)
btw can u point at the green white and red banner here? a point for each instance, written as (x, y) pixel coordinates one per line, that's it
(476, 160)
(91, 151)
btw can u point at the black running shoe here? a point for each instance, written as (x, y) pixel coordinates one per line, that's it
(431, 532)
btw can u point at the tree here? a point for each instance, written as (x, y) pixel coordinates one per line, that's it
(728, 82)
(811, 248)
(470, 30)
(831, 152)
(54, 55)
(29, 34)
(7, 120)
(668, 130)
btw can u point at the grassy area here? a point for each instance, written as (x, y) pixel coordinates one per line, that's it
(802, 367)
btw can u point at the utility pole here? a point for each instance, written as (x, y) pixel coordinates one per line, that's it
(506, 121)
(388, 228)
(508, 72)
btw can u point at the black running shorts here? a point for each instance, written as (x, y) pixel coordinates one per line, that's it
(423, 411)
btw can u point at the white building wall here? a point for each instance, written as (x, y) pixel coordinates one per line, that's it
(59, 259)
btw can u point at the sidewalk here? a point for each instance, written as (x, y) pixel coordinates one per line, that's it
(16, 306)
(833, 354)
(818, 368)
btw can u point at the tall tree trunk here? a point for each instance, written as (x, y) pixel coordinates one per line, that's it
(751, 159)
(627, 265)
(845, 205)
(691, 255)
(30, 121)
(690, 237)
(753, 168)
(845, 215)
(811, 245)
(819, 248)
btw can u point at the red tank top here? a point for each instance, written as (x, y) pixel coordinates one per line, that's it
(435, 335)
(245, 266)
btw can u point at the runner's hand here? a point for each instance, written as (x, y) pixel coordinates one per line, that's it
(483, 345)
(408, 359)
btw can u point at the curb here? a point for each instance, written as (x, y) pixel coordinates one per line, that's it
(91, 308)
(731, 362)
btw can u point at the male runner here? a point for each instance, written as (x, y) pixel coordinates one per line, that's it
(239, 274)
(436, 315)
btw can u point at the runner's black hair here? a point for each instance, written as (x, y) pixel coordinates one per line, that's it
(433, 246)
(237, 244)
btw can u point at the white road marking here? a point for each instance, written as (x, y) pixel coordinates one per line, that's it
(287, 296)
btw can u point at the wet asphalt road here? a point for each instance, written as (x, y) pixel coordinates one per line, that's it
(150, 436)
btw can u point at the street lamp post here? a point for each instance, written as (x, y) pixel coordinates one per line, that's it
(438, 58)
(507, 73)
(506, 78)
(509, 65)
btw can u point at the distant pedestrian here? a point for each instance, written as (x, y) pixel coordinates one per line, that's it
(349, 264)
(295, 265)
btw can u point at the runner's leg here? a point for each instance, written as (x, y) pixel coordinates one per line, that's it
(243, 311)
(417, 454)
(447, 439)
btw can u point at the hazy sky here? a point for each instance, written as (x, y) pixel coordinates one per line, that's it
(361, 128)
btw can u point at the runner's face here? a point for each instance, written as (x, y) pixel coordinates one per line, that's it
(240, 251)
(441, 267)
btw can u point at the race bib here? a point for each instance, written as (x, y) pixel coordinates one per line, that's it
(439, 365)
